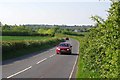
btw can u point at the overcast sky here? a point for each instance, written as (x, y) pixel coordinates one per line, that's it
(69, 12)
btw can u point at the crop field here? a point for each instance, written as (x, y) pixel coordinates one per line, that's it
(21, 38)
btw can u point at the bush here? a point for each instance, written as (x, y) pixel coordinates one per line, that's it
(101, 48)
(18, 33)
(8, 47)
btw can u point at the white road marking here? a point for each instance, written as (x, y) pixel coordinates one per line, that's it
(73, 68)
(29, 67)
(19, 72)
(74, 64)
(41, 61)
(52, 55)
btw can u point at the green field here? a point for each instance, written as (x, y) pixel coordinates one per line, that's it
(15, 38)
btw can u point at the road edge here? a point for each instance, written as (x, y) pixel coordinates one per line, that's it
(74, 69)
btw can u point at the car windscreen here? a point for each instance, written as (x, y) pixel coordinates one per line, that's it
(64, 45)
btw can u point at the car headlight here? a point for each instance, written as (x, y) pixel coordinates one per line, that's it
(58, 48)
(68, 49)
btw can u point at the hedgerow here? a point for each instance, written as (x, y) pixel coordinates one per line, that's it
(9, 47)
(101, 47)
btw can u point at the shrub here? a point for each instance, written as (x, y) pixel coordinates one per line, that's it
(101, 48)
(10, 46)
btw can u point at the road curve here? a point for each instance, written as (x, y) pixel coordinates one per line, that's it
(46, 64)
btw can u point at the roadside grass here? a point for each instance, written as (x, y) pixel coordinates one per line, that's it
(81, 71)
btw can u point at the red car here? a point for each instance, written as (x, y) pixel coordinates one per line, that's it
(64, 47)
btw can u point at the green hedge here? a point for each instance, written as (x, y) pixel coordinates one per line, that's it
(9, 47)
(101, 48)
(18, 33)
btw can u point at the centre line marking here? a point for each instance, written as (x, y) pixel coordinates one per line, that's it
(19, 72)
(41, 61)
(52, 55)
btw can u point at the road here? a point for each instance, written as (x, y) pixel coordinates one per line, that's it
(46, 64)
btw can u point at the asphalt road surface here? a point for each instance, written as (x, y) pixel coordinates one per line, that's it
(46, 64)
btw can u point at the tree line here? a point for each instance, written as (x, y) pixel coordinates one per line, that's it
(14, 30)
